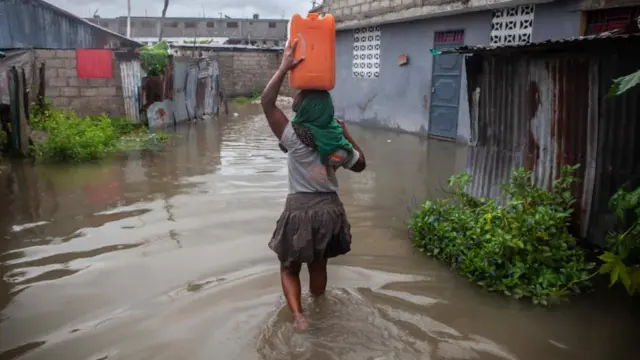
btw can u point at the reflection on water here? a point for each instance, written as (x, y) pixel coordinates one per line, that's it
(163, 255)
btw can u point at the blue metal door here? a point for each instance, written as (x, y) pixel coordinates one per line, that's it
(445, 85)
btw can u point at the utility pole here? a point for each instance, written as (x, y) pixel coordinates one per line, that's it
(128, 18)
(164, 14)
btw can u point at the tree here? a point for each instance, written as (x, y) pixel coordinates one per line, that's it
(164, 14)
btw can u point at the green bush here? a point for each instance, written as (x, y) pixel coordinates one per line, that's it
(622, 258)
(624, 83)
(4, 139)
(125, 126)
(154, 59)
(40, 113)
(243, 100)
(72, 138)
(522, 248)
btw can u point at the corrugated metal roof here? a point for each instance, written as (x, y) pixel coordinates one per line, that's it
(178, 18)
(38, 24)
(222, 47)
(541, 45)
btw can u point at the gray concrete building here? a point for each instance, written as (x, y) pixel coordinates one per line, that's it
(254, 31)
(388, 73)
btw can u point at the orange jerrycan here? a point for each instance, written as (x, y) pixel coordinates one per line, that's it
(317, 44)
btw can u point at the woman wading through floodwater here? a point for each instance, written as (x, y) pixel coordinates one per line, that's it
(313, 226)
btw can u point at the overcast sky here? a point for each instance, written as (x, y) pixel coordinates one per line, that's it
(188, 8)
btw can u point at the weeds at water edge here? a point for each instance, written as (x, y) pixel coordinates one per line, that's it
(521, 248)
(72, 138)
(243, 100)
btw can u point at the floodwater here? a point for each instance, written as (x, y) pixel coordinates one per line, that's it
(164, 256)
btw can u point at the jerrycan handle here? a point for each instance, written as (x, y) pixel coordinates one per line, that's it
(312, 16)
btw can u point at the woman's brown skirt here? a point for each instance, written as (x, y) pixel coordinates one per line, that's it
(312, 226)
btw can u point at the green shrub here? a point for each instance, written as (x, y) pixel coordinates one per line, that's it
(125, 126)
(74, 139)
(154, 59)
(242, 100)
(71, 138)
(40, 113)
(522, 248)
(622, 258)
(4, 139)
(624, 83)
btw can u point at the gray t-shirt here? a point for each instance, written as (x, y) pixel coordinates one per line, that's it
(306, 171)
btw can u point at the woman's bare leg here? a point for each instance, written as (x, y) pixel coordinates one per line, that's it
(290, 279)
(317, 277)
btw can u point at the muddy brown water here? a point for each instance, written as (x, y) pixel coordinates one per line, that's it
(163, 255)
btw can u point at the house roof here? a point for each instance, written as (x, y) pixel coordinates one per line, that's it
(543, 45)
(167, 19)
(22, 25)
(224, 47)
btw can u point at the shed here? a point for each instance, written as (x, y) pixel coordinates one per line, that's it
(545, 105)
(38, 24)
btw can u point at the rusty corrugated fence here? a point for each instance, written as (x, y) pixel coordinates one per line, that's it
(194, 93)
(131, 75)
(543, 110)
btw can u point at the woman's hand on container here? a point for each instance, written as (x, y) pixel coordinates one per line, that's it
(288, 60)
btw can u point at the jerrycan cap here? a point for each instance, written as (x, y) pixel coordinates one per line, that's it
(312, 16)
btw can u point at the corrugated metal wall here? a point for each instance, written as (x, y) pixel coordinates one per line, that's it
(190, 91)
(212, 100)
(618, 152)
(21, 59)
(544, 111)
(180, 71)
(207, 93)
(194, 90)
(131, 75)
(35, 24)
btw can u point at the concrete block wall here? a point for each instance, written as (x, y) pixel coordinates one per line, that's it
(246, 72)
(348, 9)
(84, 96)
(400, 98)
(353, 13)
